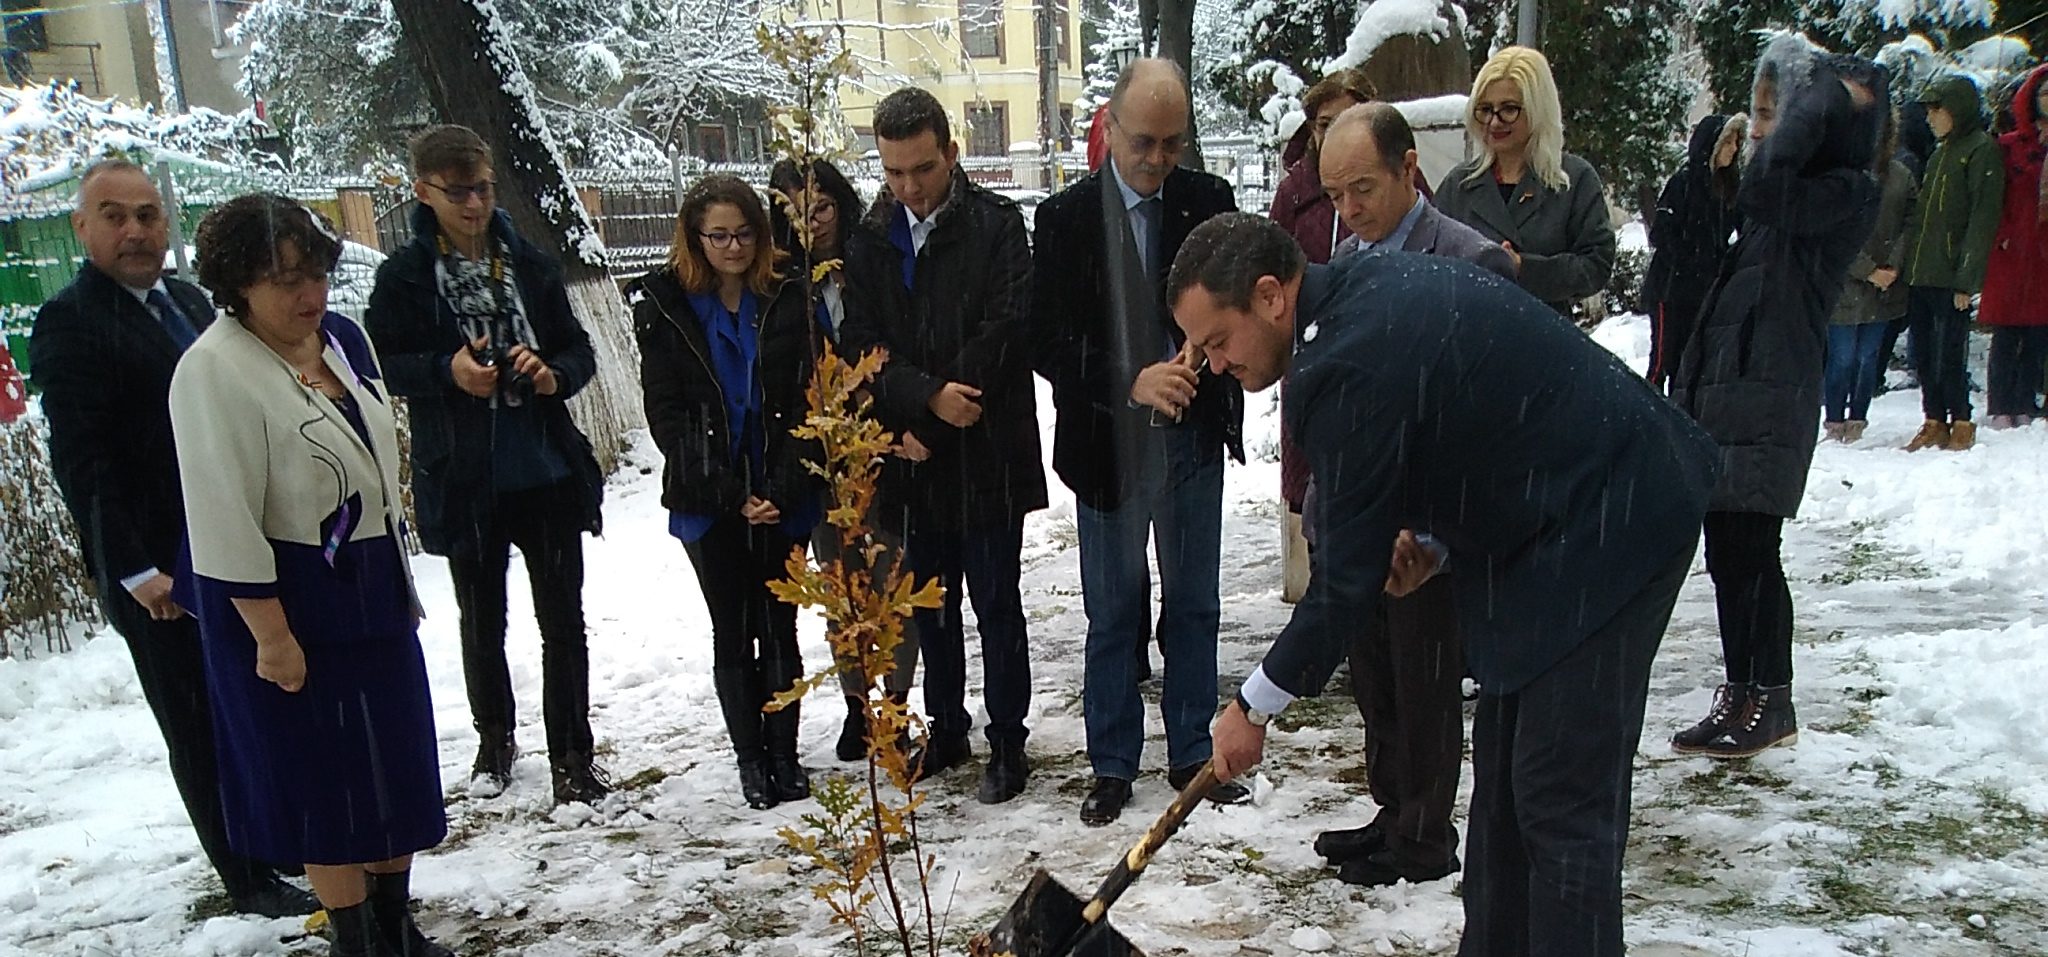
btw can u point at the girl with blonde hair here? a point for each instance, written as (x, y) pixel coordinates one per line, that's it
(1547, 207)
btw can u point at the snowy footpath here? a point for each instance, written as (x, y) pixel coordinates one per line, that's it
(1911, 818)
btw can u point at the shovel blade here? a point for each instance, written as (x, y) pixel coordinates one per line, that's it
(1046, 921)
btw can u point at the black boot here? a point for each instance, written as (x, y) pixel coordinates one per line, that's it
(1007, 770)
(1731, 706)
(578, 778)
(853, 735)
(390, 907)
(1769, 722)
(352, 932)
(792, 782)
(495, 753)
(740, 698)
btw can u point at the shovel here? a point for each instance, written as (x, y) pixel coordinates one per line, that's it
(1050, 921)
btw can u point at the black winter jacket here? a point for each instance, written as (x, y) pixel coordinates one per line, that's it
(1751, 373)
(1691, 231)
(686, 411)
(416, 336)
(965, 318)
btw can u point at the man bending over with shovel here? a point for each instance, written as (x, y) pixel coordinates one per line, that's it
(1431, 395)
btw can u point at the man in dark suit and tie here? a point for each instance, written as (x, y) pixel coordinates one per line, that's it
(103, 350)
(1431, 395)
(1142, 431)
(1406, 662)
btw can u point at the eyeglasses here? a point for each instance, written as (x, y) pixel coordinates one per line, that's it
(1146, 145)
(461, 194)
(1507, 113)
(721, 239)
(824, 212)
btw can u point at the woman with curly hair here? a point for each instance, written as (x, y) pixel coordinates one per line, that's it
(307, 615)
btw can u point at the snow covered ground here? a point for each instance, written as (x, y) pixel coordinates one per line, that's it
(1911, 818)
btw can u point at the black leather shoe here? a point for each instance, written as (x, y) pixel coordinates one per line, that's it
(581, 781)
(756, 785)
(939, 755)
(1229, 792)
(792, 782)
(1008, 769)
(1383, 869)
(272, 897)
(1350, 843)
(1105, 802)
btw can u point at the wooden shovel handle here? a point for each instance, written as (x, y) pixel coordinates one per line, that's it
(1133, 864)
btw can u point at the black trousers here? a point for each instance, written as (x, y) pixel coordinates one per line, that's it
(1407, 672)
(1551, 767)
(2018, 354)
(172, 671)
(988, 560)
(735, 561)
(1751, 596)
(547, 527)
(1941, 340)
(753, 633)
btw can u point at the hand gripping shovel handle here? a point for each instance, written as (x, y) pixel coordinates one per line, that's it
(1133, 864)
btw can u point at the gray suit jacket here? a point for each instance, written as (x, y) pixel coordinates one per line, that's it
(1436, 234)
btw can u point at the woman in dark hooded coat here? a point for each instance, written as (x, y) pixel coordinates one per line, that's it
(1692, 230)
(1751, 373)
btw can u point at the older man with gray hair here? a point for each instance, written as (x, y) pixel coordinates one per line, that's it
(1406, 661)
(1142, 431)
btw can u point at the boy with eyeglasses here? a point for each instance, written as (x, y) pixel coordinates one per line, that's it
(473, 327)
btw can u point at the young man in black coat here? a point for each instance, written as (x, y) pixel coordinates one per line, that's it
(103, 351)
(473, 328)
(942, 280)
(1434, 396)
(1142, 432)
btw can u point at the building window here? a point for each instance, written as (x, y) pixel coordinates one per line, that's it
(711, 144)
(24, 31)
(750, 144)
(989, 129)
(981, 28)
(1061, 12)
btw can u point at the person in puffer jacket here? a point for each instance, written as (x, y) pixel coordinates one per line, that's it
(1751, 374)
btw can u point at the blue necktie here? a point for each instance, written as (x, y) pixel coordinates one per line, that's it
(1147, 231)
(175, 323)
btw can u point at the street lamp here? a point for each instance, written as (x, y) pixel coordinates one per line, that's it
(1123, 56)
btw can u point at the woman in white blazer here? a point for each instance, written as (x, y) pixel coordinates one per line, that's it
(289, 460)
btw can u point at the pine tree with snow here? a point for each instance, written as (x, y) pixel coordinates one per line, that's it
(1731, 33)
(1624, 109)
(1300, 36)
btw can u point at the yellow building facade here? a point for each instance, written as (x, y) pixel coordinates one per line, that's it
(979, 57)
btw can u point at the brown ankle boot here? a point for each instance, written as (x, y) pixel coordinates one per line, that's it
(1932, 435)
(1961, 436)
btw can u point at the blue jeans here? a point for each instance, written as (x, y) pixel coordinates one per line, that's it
(1852, 371)
(1174, 492)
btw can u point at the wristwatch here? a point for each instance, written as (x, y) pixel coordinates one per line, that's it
(1257, 718)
